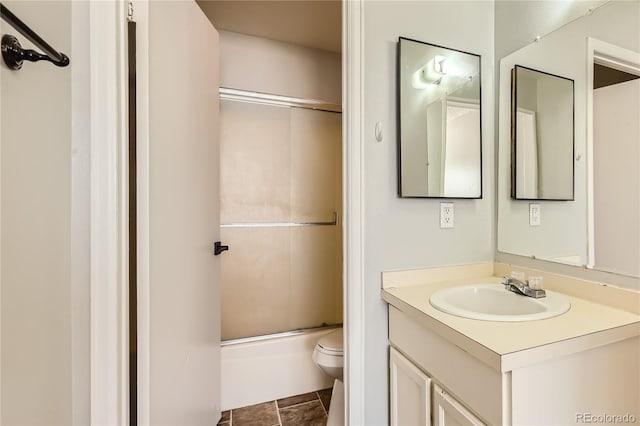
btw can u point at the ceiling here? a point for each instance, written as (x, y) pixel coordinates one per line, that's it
(519, 22)
(310, 23)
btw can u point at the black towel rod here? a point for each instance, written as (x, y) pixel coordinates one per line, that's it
(13, 53)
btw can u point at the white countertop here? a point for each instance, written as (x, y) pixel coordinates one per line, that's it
(509, 345)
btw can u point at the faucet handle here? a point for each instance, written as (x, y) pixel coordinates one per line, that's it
(507, 282)
(518, 275)
(535, 283)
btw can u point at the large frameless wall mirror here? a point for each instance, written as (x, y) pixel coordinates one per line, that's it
(542, 134)
(439, 135)
(600, 228)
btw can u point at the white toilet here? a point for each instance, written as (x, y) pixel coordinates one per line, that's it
(329, 356)
(328, 353)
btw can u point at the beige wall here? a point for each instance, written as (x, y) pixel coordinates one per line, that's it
(35, 227)
(80, 214)
(279, 164)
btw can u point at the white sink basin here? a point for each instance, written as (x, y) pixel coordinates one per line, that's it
(492, 302)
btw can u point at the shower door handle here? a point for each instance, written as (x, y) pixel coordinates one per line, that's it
(219, 248)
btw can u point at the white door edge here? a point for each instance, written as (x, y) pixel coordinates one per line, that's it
(353, 202)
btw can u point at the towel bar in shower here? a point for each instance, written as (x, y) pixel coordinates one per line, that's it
(280, 224)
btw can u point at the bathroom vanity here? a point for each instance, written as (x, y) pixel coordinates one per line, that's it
(446, 369)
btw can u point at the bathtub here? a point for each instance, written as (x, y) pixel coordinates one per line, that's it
(270, 367)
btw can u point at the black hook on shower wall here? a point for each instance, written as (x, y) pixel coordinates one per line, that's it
(13, 53)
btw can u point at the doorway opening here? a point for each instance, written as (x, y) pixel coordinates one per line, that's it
(613, 107)
(281, 191)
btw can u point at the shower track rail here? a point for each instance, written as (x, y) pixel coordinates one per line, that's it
(298, 332)
(277, 100)
(334, 222)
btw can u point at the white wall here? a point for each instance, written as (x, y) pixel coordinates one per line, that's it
(44, 207)
(405, 233)
(269, 66)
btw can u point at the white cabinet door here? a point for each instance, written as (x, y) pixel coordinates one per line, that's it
(410, 392)
(447, 411)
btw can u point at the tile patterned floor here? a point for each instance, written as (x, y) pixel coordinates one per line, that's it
(309, 409)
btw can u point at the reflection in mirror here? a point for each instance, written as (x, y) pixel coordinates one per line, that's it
(541, 135)
(616, 150)
(439, 140)
(606, 171)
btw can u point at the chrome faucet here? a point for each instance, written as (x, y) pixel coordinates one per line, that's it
(522, 288)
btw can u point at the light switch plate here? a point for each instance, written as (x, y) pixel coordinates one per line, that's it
(446, 215)
(534, 214)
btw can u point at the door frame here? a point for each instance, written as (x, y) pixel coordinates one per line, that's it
(109, 211)
(140, 16)
(109, 214)
(353, 214)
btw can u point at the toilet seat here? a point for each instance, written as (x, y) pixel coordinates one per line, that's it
(328, 351)
(331, 343)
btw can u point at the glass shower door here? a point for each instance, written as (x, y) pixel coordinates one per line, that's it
(280, 198)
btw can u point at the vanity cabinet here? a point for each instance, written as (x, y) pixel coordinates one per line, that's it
(414, 398)
(430, 374)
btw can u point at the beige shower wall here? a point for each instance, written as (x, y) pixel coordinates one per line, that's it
(279, 164)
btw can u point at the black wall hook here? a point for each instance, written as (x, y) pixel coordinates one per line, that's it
(14, 55)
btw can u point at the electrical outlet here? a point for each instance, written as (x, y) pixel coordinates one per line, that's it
(534, 214)
(446, 215)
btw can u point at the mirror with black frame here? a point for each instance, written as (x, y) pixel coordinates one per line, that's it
(542, 135)
(439, 135)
